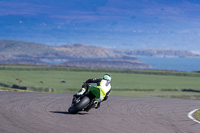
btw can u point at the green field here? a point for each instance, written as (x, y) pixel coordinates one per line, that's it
(125, 82)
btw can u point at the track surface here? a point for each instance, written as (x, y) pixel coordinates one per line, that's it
(46, 113)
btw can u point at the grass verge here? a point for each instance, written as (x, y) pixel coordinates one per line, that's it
(11, 89)
(197, 115)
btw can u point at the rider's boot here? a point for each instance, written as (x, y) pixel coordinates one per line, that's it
(81, 92)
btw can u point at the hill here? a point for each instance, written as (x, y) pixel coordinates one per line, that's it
(29, 49)
(83, 51)
(158, 53)
(19, 52)
(11, 47)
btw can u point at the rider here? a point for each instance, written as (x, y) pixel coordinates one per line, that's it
(104, 84)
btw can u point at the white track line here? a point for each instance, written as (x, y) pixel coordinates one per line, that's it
(191, 117)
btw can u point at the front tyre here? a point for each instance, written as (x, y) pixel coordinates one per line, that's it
(80, 105)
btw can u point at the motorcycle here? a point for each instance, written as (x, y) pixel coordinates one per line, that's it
(85, 102)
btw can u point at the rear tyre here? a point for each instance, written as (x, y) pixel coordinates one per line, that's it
(79, 106)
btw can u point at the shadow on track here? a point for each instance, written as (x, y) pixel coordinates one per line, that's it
(63, 112)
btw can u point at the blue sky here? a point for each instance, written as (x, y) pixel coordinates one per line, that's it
(126, 24)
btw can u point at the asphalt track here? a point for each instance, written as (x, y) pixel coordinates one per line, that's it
(47, 113)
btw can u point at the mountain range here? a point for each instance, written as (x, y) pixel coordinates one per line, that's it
(19, 52)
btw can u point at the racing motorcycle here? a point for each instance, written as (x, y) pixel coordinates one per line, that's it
(85, 102)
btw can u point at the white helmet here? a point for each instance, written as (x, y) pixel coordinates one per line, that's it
(106, 77)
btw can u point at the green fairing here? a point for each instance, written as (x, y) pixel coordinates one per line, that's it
(95, 91)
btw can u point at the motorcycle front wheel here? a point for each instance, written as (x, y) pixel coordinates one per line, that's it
(80, 105)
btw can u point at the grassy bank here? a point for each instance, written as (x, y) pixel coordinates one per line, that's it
(11, 89)
(125, 82)
(197, 115)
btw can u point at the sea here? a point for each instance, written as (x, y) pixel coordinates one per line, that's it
(177, 64)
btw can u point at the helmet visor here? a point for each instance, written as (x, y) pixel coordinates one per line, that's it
(107, 77)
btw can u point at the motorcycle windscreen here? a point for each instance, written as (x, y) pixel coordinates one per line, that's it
(95, 91)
